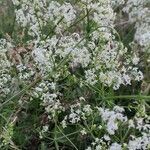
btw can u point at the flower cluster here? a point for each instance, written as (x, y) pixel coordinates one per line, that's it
(72, 57)
(5, 67)
(110, 121)
(139, 11)
(104, 61)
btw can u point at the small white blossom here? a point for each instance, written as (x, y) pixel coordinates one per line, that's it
(115, 146)
(83, 132)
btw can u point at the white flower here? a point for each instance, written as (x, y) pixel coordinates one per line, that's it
(116, 3)
(53, 86)
(87, 109)
(20, 17)
(115, 146)
(64, 125)
(139, 13)
(100, 127)
(98, 147)
(118, 109)
(89, 148)
(106, 137)
(83, 132)
(38, 89)
(135, 60)
(38, 54)
(15, 2)
(131, 124)
(90, 76)
(74, 117)
(139, 142)
(111, 118)
(45, 128)
(81, 98)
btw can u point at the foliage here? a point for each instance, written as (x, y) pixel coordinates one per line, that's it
(74, 74)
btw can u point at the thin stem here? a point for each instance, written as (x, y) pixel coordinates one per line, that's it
(129, 97)
(88, 24)
(78, 21)
(21, 92)
(67, 138)
(55, 135)
(59, 21)
(68, 135)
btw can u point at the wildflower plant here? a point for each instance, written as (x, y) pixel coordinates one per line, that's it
(62, 73)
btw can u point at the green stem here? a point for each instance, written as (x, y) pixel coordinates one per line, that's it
(75, 23)
(55, 134)
(67, 138)
(68, 135)
(52, 30)
(21, 92)
(129, 97)
(88, 24)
